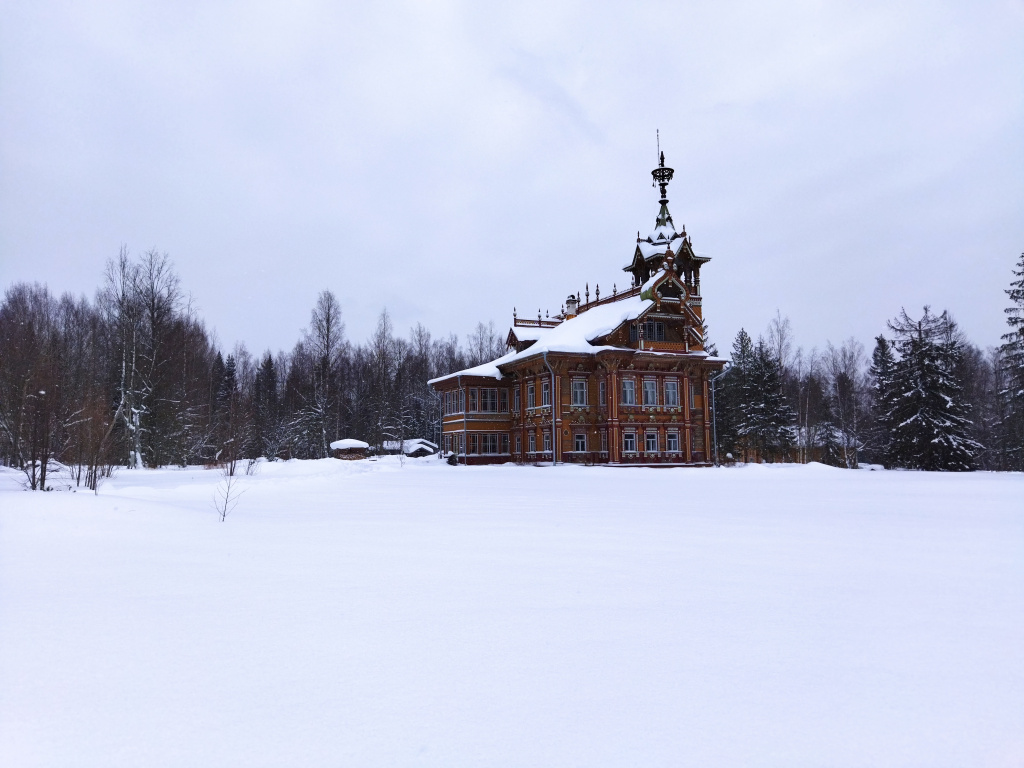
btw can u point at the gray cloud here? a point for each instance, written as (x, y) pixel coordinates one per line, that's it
(452, 160)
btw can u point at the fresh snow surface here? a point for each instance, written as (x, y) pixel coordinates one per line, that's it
(411, 613)
(348, 442)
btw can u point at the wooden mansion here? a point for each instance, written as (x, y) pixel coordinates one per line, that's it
(616, 380)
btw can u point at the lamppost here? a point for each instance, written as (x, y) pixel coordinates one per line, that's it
(714, 410)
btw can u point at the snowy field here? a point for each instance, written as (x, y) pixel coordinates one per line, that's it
(372, 614)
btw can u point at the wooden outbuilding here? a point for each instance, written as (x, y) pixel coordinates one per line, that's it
(349, 449)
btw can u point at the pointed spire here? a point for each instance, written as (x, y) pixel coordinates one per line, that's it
(664, 227)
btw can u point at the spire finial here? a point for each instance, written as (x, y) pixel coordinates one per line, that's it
(662, 175)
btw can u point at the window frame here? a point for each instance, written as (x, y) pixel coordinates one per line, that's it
(545, 393)
(631, 400)
(602, 393)
(648, 435)
(650, 385)
(488, 400)
(579, 387)
(672, 385)
(669, 436)
(627, 438)
(579, 436)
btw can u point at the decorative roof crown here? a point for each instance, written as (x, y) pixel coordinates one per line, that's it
(664, 227)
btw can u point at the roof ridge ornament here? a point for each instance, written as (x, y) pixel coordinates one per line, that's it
(662, 175)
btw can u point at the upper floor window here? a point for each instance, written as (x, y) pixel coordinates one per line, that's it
(671, 392)
(628, 392)
(472, 401)
(601, 394)
(531, 396)
(503, 400)
(488, 400)
(579, 391)
(648, 330)
(693, 394)
(545, 393)
(650, 392)
(515, 400)
(454, 402)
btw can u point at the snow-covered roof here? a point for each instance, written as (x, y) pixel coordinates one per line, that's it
(529, 332)
(409, 446)
(347, 443)
(651, 249)
(573, 335)
(663, 232)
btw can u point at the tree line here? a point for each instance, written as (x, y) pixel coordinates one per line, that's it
(133, 378)
(926, 397)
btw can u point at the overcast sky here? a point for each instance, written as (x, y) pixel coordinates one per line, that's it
(452, 160)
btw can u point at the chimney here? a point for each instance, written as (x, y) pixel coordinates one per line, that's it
(571, 305)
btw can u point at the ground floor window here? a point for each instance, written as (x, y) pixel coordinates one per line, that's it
(672, 442)
(488, 443)
(580, 442)
(547, 442)
(651, 442)
(519, 443)
(533, 443)
(473, 444)
(629, 442)
(604, 440)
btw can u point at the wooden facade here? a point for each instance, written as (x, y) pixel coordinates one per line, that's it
(621, 380)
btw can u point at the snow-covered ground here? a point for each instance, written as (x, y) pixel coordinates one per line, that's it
(373, 614)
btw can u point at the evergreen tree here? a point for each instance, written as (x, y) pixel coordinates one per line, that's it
(882, 372)
(729, 395)
(928, 427)
(766, 422)
(266, 435)
(1011, 392)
